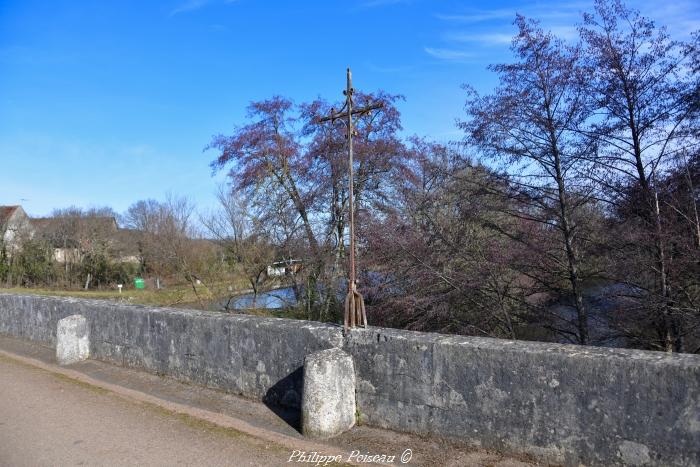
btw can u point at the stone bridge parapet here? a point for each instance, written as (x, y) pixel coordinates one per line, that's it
(561, 403)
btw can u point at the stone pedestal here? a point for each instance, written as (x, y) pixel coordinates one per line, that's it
(328, 400)
(72, 340)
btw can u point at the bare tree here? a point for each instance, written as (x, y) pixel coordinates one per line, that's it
(167, 235)
(83, 241)
(292, 172)
(640, 92)
(238, 233)
(529, 123)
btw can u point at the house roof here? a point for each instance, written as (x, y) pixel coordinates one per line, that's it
(68, 231)
(50, 225)
(126, 241)
(5, 213)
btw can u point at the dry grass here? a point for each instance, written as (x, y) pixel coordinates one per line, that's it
(181, 295)
(170, 296)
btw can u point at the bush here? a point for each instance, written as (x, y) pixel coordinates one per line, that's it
(32, 265)
(103, 271)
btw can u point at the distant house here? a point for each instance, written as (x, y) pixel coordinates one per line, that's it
(15, 226)
(126, 246)
(71, 236)
(284, 268)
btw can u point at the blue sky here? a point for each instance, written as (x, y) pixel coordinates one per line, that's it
(107, 102)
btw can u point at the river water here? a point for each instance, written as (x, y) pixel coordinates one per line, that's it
(273, 299)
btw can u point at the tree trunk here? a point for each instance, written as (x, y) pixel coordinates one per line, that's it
(661, 257)
(653, 217)
(693, 203)
(572, 260)
(568, 234)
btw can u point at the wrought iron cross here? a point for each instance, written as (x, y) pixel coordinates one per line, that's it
(354, 302)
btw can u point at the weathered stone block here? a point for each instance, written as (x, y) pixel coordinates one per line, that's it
(328, 400)
(72, 340)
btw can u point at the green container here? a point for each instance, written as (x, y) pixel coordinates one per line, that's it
(139, 283)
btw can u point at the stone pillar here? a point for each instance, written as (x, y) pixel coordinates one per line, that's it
(72, 340)
(328, 400)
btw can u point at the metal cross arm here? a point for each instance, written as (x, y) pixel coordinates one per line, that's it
(344, 115)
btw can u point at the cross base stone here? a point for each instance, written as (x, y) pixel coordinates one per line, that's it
(328, 400)
(72, 340)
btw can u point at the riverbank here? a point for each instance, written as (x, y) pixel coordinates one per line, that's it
(179, 296)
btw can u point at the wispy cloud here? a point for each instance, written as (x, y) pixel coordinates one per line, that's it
(190, 5)
(449, 54)
(193, 5)
(472, 29)
(485, 39)
(563, 32)
(477, 16)
(680, 17)
(541, 11)
(505, 38)
(493, 28)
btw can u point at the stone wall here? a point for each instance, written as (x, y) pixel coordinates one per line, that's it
(565, 404)
(260, 358)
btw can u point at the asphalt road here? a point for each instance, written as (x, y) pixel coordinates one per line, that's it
(46, 420)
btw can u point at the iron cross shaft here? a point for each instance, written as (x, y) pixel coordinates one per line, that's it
(354, 302)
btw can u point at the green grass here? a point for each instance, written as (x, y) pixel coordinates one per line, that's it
(170, 296)
(174, 295)
(180, 295)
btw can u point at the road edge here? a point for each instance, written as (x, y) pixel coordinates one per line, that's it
(177, 409)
